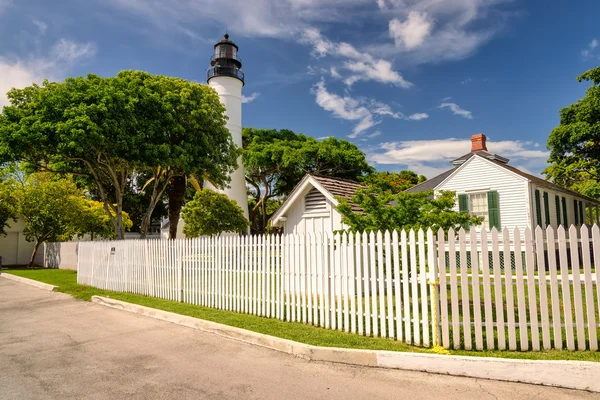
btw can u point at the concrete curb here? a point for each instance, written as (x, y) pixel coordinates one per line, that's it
(31, 282)
(567, 374)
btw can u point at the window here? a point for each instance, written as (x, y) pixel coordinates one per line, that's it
(315, 202)
(482, 204)
(478, 206)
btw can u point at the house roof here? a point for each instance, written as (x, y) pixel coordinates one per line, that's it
(430, 184)
(339, 187)
(434, 182)
(330, 187)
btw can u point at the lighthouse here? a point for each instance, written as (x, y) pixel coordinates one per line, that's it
(226, 77)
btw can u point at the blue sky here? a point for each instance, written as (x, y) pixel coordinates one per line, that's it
(408, 81)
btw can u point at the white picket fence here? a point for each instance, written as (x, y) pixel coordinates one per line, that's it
(497, 290)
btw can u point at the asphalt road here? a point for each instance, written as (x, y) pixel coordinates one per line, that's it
(55, 347)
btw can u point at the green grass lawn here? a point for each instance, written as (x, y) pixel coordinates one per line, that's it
(67, 282)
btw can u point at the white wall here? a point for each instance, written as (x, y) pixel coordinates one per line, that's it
(552, 206)
(481, 175)
(300, 222)
(230, 94)
(14, 248)
(62, 255)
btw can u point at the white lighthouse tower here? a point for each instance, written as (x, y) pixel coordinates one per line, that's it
(225, 75)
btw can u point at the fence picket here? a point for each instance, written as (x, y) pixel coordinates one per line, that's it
(454, 300)
(359, 284)
(487, 292)
(373, 278)
(531, 291)
(508, 282)
(543, 288)
(352, 282)
(475, 290)
(338, 281)
(589, 289)
(521, 307)
(397, 293)
(414, 288)
(565, 286)
(443, 288)
(345, 283)
(579, 322)
(366, 281)
(500, 326)
(596, 249)
(388, 281)
(423, 286)
(464, 288)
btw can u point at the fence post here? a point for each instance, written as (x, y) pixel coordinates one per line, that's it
(179, 270)
(434, 285)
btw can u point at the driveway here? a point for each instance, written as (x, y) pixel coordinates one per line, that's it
(55, 347)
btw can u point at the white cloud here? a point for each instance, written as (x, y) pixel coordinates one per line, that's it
(251, 98)
(466, 81)
(430, 157)
(456, 110)
(42, 26)
(365, 112)
(18, 72)
(361, 66)
(418, 116)
(412, 32)
(71, 52)
(590, 50)
(374, 134)
(334, 73)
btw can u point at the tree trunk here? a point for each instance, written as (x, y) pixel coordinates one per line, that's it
(35, 250)
(154, 199)
(176, 198)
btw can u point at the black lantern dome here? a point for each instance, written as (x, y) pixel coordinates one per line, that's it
(225, 62)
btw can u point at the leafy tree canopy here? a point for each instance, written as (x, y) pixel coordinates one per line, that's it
(393, 182)
(212, 213)
(385, 209)
(94, 221)
(106, 129)
(575, 144)
(276, 160)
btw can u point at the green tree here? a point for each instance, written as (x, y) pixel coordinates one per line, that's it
(94, 221)
(110, 129)
(385, 209)
(575, 143)
(212, 213)
(49, 206)
(276, 160)
(7, 206)
(394, 182)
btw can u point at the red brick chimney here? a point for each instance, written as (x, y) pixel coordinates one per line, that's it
(478, 142)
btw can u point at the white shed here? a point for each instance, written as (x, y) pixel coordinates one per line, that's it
(310, 207)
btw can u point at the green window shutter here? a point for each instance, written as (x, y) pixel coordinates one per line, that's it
(463, 203)
(576, 213)
(564, 208)
(581, 218)
(538, 208)
(546, 209)
(493, 209)
(557, 201)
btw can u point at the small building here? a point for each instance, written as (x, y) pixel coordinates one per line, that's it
(310, 207)
(485, 184)
(14, 248)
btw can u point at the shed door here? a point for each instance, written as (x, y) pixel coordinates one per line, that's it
(9, 248)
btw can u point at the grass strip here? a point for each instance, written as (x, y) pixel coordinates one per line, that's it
(66, 281)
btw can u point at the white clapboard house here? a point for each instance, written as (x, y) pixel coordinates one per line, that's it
(485, 183)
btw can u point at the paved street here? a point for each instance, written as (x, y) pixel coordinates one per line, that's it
(55, 347)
